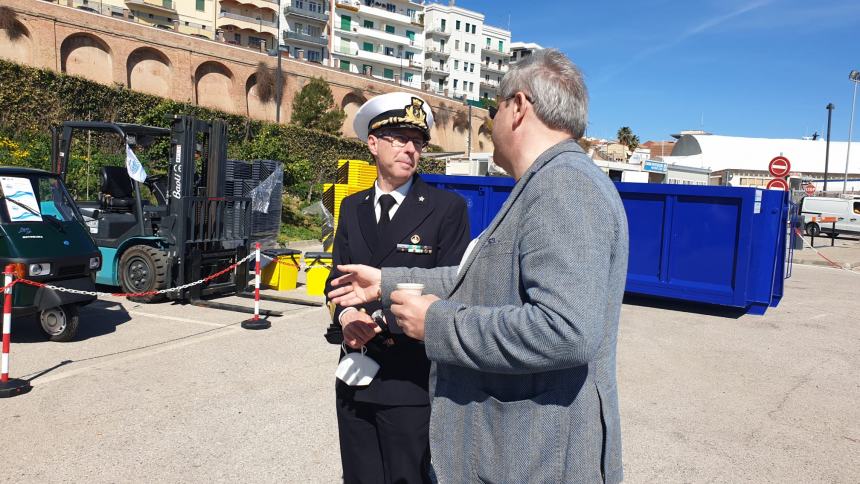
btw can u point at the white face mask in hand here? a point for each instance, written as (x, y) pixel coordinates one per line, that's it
(356, 369)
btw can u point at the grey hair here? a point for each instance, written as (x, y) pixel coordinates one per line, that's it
(555, 87)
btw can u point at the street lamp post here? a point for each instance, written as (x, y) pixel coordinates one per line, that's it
(854, 77)
(468, 138)
(278, 87)
(830, 107)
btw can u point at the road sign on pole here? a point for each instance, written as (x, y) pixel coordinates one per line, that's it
(777, 184)
(779, 166)
(809, 188)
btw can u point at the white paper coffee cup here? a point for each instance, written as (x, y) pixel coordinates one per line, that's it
(411, 288)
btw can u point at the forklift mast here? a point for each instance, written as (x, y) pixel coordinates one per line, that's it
(208, 230)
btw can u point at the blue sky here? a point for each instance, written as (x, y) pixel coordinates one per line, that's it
(762, 68)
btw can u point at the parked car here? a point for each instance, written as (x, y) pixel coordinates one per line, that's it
(846, 211)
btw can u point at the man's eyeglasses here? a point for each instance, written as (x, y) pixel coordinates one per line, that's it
(398, 140)
(495, 109)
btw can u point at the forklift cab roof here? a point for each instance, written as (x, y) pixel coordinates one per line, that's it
(134, 134)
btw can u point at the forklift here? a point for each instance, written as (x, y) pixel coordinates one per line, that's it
(172, 229)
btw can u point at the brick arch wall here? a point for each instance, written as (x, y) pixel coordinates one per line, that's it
(87, 55)
(149, 70)
(16, 43)
(258, 109)
(213, 85)
(51, 25)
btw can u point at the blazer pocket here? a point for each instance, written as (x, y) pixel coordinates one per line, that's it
(518, 441)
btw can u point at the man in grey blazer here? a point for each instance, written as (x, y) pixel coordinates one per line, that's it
(522, 334)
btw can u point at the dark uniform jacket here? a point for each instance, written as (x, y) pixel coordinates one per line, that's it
(429, 219)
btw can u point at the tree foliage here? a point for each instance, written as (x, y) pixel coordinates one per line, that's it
(314, 108)
(627, 138)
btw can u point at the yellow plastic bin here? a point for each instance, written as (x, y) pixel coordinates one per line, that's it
(318, 267)
(281, 274)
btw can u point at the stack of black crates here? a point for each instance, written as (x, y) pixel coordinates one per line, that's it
(245, 176)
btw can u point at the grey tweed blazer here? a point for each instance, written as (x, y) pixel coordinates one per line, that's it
(523, 342)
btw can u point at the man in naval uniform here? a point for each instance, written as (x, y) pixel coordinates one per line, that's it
(400, 221)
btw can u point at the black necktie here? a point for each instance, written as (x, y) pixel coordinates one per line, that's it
(385, 204)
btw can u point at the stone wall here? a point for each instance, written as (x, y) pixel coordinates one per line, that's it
(206, 72)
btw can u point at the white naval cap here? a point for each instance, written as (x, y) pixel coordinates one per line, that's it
(393, 110)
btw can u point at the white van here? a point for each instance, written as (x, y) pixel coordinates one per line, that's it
(846, 211)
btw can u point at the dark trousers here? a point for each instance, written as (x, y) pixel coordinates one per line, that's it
(383, 444)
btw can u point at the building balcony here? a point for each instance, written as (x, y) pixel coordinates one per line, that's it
(495, 51)
(492, 85)
(352, 5)
(300, 12)
(438, 52)
(399, 16)
(160, 6)
(269, 4)
(436, 71)
(387, 37)
(415, 84)
(246, 22)
(438, 32)
(494, 68)
(305, 38)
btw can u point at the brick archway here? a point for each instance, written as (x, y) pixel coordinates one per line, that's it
(88, 56)
(213, 86)
(16, 43)
(257, 108)
(149, 70)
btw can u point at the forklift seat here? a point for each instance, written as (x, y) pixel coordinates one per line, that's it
(116, 192)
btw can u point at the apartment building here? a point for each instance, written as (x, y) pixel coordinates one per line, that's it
(382, 39)
(454, 50)
(304, 29)
(192, 17)
(520, 50)
(249, 23)
(496, 54)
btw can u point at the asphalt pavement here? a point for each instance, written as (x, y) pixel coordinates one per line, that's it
(178, 393)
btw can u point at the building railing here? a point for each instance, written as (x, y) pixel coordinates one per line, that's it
(438, 31)
(165, 4)
(494, 68)
(245, 18)
(437, 70)
(489, 50)
(313, 39)
(438, 50)
(323, 17)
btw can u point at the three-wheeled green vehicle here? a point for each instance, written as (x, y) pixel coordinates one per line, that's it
(43, 235)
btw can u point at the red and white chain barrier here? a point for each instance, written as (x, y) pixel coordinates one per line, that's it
(7, 325)
(9, 387)
(138, 294)
(255, 322)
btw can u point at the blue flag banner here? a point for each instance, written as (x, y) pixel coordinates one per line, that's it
(132, 164)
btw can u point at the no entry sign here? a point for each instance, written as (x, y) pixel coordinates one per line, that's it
(779, 166)
(777, 184)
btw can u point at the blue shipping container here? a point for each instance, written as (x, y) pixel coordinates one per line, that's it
(707, 244)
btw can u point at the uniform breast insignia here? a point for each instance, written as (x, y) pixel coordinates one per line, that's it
(415, 249)
(415, 239)
(421, 198)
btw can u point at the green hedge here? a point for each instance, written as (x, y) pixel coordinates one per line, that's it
(33, 100)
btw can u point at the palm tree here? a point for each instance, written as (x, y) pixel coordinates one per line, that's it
(628, 139)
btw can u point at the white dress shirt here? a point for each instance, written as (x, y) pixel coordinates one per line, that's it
(398, 193)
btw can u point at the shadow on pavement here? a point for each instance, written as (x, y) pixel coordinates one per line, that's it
(97, 319)
(684, 306)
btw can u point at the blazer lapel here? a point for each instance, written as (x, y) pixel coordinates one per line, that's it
(539, 163)
(367, 220)
(416, 207)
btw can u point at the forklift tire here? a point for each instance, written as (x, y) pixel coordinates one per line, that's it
(60, 323)
(142, 269)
